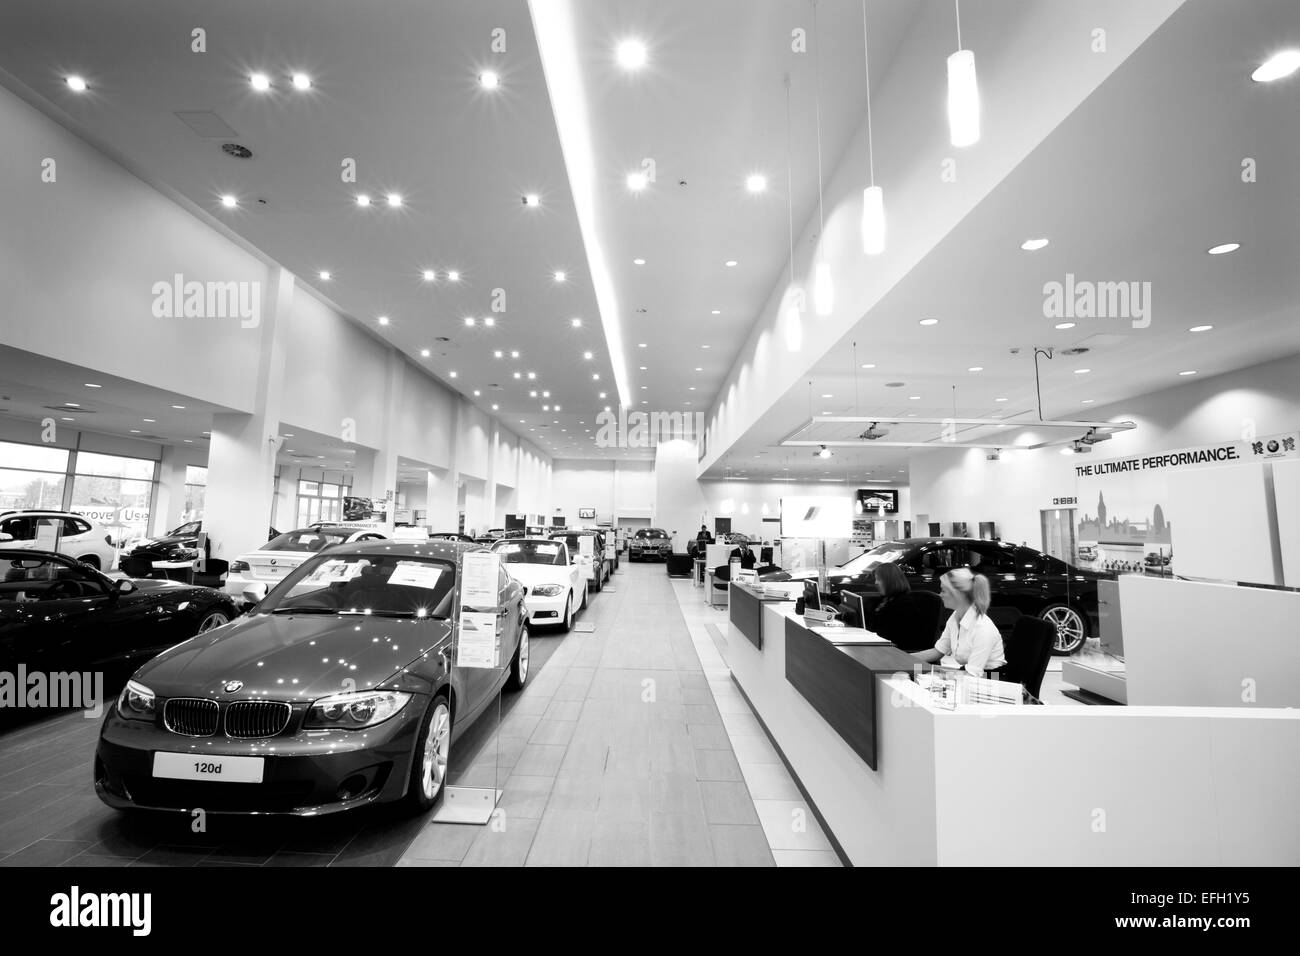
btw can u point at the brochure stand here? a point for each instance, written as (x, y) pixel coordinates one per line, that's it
(478, 645)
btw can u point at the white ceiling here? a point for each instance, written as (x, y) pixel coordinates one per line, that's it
(1136, 184)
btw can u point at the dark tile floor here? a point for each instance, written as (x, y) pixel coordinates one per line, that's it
(614, 754)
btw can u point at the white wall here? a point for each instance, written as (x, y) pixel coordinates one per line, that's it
(616, 489)
(960, 485)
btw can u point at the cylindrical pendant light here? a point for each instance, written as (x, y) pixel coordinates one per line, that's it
(823, 289)
(873, 197)
(963, 93)
(792, 307)
(823, 284)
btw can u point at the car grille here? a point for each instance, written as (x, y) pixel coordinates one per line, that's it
(256, 718)
(191, 716)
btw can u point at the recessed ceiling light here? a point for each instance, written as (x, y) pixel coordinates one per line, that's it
(1088, 401)
(637, 181)
(149, 421)
(495, 407)
(190, 441)
(1065, 325)
(469, 321)
(302, 81)
(497, 354)
(595, 377)
(489, 80)
(706, 346)
(324, 274)
(179, 408)
(717, 311)
(76, 84)
(260, 82)
(975, 368)
(135, 431)
(1276, 67)
(477, 393)
(363, 199)
(383, 320)
(453, 276)
(532, 376)
(424, 353)
(638, 262)
(602, 394)
(519, 374)
(929, 321)
(1190, 371)
(756, 183)
(452, 374)
(514, 353)
(230, 202)
(560, 275)
(430, 275)
(557, 408)
(699, 369)
(394, 200)
(631, 54)
(546, 394)
(532, 200)
(489, 321)
(1082, 371)
(93, 385)
(827, 395)
(999, 399)
(73, 405)
(533, 393)
(914, 398)
(1224, 247)
(1033, 245)
(1200, 328)
(644, 387)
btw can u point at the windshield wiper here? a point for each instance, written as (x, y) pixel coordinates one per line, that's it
(311, 609)
(354, 613)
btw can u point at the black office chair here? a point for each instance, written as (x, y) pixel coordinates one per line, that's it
(1004, 618)
(1028, 649)
(934, 614)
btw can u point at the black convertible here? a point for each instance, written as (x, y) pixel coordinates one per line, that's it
(179, 544)
(57, 614)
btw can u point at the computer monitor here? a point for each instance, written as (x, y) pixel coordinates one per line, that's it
(812, 599)
(854, 610)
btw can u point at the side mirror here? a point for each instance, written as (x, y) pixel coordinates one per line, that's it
(5, 536)
(125, 586)
(254, 592)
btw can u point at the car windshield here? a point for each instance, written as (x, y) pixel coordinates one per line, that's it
(310, 539)
(886, 553)
(651, 533)
(531, 552)
(27, 578)
(381, 585)
(190, 527)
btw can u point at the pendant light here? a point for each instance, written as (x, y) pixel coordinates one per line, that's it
(873, 197)
(794, 298)
(963, 93)
(823, 284)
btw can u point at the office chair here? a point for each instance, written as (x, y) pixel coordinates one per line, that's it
(1028, 649)
(934, 614)
(1004, 618)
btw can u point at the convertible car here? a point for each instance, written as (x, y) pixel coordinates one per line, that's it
(557, 584)
(272, 561)
(179, 544)
(1021, 578)
(336, 691)
(59, 615)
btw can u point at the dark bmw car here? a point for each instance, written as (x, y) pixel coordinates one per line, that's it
(337, 690)
(1021, 578)
(179, 544)
(57, 614)
(649, 543)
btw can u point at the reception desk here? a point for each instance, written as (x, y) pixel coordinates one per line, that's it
(1015, 785)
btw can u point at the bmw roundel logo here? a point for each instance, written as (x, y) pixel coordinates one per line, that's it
(233, 685)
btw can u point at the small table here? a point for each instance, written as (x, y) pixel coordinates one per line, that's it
(176, 570)
(697, 577)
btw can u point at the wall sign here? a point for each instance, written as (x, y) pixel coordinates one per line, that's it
(1061, 502)
(1255, 449)
(586, 514)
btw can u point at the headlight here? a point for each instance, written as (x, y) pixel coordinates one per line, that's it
(136, 702)
(239, 566)
(361, 709)
(186, 554)
(547, 590)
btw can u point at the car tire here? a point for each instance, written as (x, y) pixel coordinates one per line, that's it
(90, 559)
(431, 757)
(596, 587)
(519, 663)
(1071, 627)
(566, 625)
(213, 619)
(583, 605)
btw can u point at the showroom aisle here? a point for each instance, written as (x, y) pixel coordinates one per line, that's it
(616, 753)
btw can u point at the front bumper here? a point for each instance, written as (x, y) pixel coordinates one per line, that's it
(544, 611)
(306, 772)
(650, 552)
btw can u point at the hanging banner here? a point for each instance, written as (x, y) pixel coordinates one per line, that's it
(479, 643)
(1223, 453)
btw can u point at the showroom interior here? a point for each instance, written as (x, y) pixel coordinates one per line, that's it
(687, 317)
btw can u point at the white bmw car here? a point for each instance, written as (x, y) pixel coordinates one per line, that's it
(557, 584)
(264, 568)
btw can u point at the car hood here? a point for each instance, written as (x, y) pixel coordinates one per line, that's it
(159, 586)
(166, 544)
(293, 656)
(535, 574)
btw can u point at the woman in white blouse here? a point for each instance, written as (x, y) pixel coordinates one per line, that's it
(969, 638)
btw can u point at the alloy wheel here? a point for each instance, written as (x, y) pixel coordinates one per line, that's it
(523, 655)
(1069, 628)
(213, 621)
(437, 745)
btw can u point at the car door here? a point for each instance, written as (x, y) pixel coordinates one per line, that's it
(931, 562)
(510, 617)
(1013, 581)
(21, 530)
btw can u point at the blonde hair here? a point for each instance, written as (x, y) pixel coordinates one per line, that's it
(974, 586)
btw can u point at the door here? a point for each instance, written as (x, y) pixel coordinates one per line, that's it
(1058, 533)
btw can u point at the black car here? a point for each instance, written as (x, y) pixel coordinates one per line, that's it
(452, 536)
(599, 567)
(1019, 577)
(336, 691)
(649, 543)
(59, 615)
(179, 544)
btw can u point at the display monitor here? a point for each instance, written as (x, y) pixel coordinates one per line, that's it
(854, 609)
(812, 598)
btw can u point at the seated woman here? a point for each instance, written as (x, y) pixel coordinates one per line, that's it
(899, 616)
(969, 637)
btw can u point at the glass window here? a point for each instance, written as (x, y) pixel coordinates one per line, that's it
(33, 457)
(308, 487)
(195, 475)
(319, 501)
(31, 476)
(990, 559)
(114, 466)
(329, 491)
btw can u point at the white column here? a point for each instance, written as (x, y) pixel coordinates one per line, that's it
(171, 492)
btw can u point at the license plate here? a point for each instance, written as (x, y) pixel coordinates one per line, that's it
(208, 767)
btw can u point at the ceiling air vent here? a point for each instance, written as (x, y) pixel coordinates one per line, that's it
(894, 384)
(237, 150)
(206, 124)
(1077, 350)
